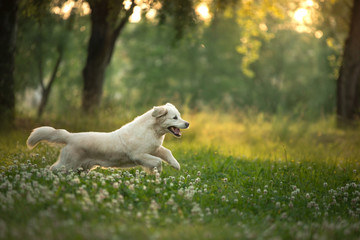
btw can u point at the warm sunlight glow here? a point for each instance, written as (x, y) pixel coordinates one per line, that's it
(318, 34)
(68, 6)
(151, 14)
(300, 15)
(127, 4)
(203, 11)
(136, 16)
(303, 16)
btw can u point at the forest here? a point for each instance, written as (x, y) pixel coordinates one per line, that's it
(271, 89)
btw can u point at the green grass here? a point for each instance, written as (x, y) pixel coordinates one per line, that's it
(241, 178)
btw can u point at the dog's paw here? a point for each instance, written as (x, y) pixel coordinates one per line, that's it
(176, 165)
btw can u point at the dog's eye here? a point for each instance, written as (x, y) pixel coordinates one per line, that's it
(175, 117)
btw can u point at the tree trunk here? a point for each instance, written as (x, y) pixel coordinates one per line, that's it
(8, 11)
(348, 84)
(104, 33)
(47, 89)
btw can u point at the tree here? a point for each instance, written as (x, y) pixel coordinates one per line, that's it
(108, 18)
(8, 12)
(348, 84)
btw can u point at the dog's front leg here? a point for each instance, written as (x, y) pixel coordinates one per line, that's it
(167, 156)
(148, 162)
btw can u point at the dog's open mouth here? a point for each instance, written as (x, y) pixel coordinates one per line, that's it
(175, 131)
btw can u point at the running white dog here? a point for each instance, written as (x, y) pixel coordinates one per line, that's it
(138, 143)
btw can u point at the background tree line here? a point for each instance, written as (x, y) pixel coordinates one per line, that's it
(241, 55)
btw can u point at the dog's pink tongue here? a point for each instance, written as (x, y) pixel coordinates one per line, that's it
(176, 130)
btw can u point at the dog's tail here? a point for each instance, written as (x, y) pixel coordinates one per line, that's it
(48, 134)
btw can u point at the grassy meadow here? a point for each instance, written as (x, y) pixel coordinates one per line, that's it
(243, 176)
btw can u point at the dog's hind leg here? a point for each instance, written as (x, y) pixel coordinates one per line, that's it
(68, 159)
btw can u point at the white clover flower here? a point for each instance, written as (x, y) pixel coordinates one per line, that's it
(196, 210)
(236, 200)
(116, 185)
(199, 173)
(75, 180)
(325, 184)
(265, 191)
(225, 180)
(277, 204)
(223, 198)
(258, 190)
(307, 195)
(131, 206)
(170, 201)
(121, 198)
(154, 205)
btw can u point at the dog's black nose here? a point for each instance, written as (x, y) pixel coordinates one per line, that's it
(187, 124)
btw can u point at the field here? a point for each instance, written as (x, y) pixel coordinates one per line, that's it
(242, 177)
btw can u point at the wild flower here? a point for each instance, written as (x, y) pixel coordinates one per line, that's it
(181, 191)
(196, 210)
(199, 173)
(189, 192)
(170, 201)
(132, 187)
(154, 205)
(75, 180)
(223, 198)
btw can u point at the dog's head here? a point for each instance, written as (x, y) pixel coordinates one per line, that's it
(169, 119)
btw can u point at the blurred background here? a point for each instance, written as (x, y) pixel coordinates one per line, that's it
(269, 56)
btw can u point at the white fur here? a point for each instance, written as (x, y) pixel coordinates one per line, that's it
(138, 143)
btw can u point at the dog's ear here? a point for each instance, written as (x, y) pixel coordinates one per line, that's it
(159, 111)
(169, 104)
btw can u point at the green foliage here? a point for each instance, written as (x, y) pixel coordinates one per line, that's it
(38, 45)
(247, 56)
